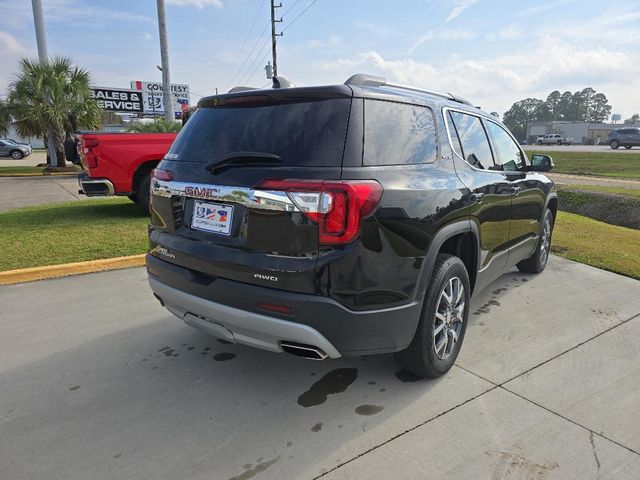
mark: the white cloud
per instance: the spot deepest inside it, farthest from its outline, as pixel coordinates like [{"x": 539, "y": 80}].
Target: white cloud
[
  {"x": 442, "y": 34},
  {"x": 379, "y": 30},
  {"x": 329, "y": 42},
  {"x": 510, "y": 32},
  {"x": 459, "y": 7},
  {"x": 544, "y": 7},
  {"x": 10, "y": 51},
  {"x": 495, "y": 83},
  {"x": 148, "y": 36},
  {"x": 199, "y": 4},
  {"x": 10, "y": 44}
]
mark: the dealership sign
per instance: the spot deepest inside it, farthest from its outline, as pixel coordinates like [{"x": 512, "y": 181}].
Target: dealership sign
[
  {"x": 117, "y": 99},
  {"x": 152, "y": 100}
]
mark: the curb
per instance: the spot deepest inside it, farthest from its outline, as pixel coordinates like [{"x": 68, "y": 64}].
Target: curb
[
  {"x": 23, "y": 275},
  {"x": 52, "y": 174}
]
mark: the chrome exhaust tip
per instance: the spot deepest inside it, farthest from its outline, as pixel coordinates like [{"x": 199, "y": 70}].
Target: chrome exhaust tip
[{"x": 305, "y": 351}]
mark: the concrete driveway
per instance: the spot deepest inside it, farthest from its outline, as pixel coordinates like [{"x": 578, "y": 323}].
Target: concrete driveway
[
  {"x": 16, "y": 192},
  {"x": 98, "y": 381}
]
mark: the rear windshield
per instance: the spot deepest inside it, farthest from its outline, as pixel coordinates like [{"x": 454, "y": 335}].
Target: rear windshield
[{"x": 310, "y": 133}]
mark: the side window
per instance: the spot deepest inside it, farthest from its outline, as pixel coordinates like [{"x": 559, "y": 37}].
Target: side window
[
  {"x": 398, "y": 134},
  {"x": 455, "y": 139},
  {"x": 508, "y": 154},
  {"x": 473, "y": 138}
]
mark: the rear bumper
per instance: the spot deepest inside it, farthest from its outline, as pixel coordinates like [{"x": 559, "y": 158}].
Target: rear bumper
[
  {"x": 95, "y": 187},
  {"x": 230, "y": 310}
]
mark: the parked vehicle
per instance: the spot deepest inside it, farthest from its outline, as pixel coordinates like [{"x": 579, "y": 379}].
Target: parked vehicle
[
  {"x": 554, "y": 139},
  {"x": 343, "y": 220},
  {"x": 10, "y": 148},
  {"x": 120, "y": 163},
  {"x": 626, "y": 137}
]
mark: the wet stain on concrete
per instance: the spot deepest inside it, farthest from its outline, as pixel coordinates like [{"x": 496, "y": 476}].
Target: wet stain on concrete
[
  {"x": 383, "y": 389},
  {"x": 524, "y": 280},
  {"x": 223, "y": 342},
  {"x": 169, "y": 353},
  {"x": 406, "y": 377},
  {"x": 253, "y": 471},
  {"x": 333, "y": 382},
  {"x": 117, "y": 455},
  {"x": 368, "y": 409},
  {"x": 371, "y": 382},
  {"x": 166, "y": 347},
  {"x": 75, "y": 387},
  {"x": 317, "y": 427},
  {"x": 224, "y": 356},
  {"x": 191, "y": 348},
  {"x": 495, "y": 303},
  {"x": 206, "y": 349},
  {"x": 289, "y": 444},
  {"x": 499, "y": 291}
]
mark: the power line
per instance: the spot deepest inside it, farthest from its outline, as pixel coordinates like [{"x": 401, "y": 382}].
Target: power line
[
  {"x": 235, "y": 76},
  {"x": 301, "y": 14},
  {"x": 290, "y": 8},
  {"x": 259, "y": 64},
  {"x": 253, "y": 24}
]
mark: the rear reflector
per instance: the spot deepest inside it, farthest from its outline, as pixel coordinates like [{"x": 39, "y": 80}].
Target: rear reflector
[
  {"x": 275, "y": 308},
  {"x": 337, "y": 206}
]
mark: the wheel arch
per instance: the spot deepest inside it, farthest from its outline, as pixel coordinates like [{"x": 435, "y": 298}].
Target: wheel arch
[
  {"x": 140, "y": 172},
  {"x": 461, "y": 239}
]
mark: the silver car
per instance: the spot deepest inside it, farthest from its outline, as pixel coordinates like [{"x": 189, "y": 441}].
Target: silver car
[
  {"x": 624, "y": 137},
  {"x": 10, "y": 148}
]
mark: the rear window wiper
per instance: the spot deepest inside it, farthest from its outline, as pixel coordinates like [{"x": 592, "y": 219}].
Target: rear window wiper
[{"x": 245, "y": 159}]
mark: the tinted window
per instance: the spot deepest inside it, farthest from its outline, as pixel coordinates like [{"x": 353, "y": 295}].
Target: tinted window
[
  {"x": 396, "y": 133},
  {"x": 304, "y": 133},
  {"x": 475, "y": 144},
  {"x": 508, "y": 154},
  {"x": 455, "y": 140}
]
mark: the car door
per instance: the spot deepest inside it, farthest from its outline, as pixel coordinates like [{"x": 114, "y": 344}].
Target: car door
[
  {"x": 490, "y": 191},
  {"x": 3, "y": 149},
  {"x": 528, "y": 198}
]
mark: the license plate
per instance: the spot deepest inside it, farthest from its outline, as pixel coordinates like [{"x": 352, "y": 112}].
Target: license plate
[{"x": 212, "y": 217}]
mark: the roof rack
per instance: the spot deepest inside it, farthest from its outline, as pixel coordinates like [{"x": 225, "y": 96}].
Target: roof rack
[{"x": 364, "y": 80}]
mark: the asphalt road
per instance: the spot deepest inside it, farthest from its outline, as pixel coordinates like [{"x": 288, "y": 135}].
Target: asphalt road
[
  {"x": 580, "y": 148},
  {"x": 98, "y": 381}
]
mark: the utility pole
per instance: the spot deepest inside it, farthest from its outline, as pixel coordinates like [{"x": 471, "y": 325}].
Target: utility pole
[
  {"x": 167, "y": 97},
  {"x": 274, "y": 35},
  {"x": 41, "y": 40}
]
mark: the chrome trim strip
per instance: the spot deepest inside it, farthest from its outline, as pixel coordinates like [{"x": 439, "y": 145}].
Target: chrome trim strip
[
  {"x": 445, "y": 110},
  {"x": 248, "y": 328},
  {"x": 249, "y": 197},
  {"x": 508, "y": 250}
]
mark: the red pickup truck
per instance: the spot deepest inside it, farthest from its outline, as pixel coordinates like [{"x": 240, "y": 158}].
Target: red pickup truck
[{"x": 120, "y": 163}]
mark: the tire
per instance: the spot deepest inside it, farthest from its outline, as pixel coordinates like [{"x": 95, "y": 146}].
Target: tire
[
  {"x": 559, "y": 142},
  {"x": 539, "y": 142},
  {"x": 143, "y": 196},
  {"x": 628, "y": 147},
  {"x": 422, "y": 357},
  {"x": 133, "y": 197},
  {"x": 614, "y": 144},
  {"x": 537, "y": 262},
  {"x": 16, "y": 154}
]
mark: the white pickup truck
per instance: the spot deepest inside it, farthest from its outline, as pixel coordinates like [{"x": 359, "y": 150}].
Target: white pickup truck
[{"x": 554, "y": 139}]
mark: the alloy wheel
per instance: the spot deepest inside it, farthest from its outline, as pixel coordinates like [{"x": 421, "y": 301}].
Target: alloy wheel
[
  {"x": 449, "y": 317},
  {"x": 545, "y": 240}
]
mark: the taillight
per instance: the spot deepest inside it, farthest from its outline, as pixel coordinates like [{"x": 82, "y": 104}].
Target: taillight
[
  {"x": 337, "y": 206},
  {"x": 90, "y": 155},
  {"x": 160, "y": 174}
]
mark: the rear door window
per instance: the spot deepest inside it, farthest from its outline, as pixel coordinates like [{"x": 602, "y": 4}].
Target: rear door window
[
  {"x": 309, "y": 133},
  {"x": 473, "y": 138},
  {"x": 398, "y": 133},
  {"x": 508, "y": 154}
]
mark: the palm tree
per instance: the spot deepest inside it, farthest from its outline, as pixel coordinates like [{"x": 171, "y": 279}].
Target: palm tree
[
  {"x": 5, "y": 118},
  {"x": 53, "y": 95},
  {"x": 158, "y": 126}
]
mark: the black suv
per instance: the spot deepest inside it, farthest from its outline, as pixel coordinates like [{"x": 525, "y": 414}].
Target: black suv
[{"x": 343, "y": 220}]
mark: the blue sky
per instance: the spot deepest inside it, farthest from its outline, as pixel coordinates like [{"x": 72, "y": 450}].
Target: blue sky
[{"x": 492, "y": 51}]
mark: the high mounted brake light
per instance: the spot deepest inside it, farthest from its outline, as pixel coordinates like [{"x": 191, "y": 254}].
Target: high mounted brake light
[{"x": 337, "y": 206}]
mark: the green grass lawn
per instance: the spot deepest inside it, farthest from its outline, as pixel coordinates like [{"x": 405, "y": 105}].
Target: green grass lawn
[
  {"x": 599, "y": 244},
  {"x": 71, "y": 232},
  {"x": 7, "y": 171},
  {"x": 629, "y": 192},
  {"x": 605, "y": 164}
]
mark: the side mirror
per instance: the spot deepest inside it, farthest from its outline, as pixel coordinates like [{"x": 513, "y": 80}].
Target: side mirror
[{"x": 541, "y": 163}]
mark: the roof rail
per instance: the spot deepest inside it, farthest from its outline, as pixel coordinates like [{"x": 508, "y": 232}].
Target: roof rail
[{"x": 364, "y": 80}]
